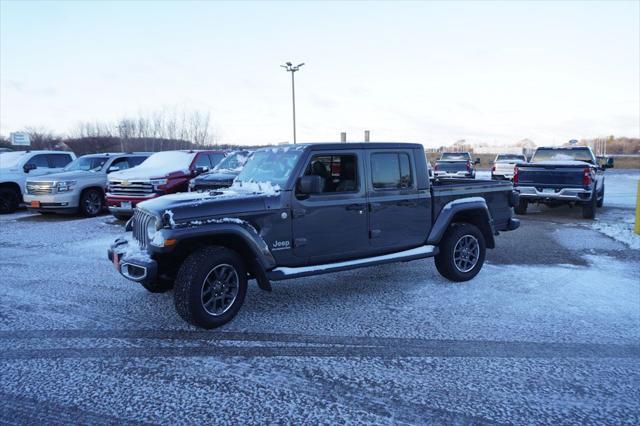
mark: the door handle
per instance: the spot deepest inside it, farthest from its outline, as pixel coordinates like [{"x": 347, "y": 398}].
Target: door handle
[
  {"x": 299, "y": 212},
  {"x": 407, "y": 203}
]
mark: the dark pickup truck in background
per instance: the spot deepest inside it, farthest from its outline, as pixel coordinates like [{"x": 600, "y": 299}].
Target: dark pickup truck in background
[
  {"x": 562, "y": 175},
  {"x": 456, "y": 165},
  {"x": 302, "y": 210},
  {"x": 223, "y": 174}
]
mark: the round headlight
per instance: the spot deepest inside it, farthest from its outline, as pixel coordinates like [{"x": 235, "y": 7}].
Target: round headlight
[{"x": 151, "y": 229}]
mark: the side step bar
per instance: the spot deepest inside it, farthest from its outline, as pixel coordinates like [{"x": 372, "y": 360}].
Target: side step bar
[{"x": 285, "y": 273}]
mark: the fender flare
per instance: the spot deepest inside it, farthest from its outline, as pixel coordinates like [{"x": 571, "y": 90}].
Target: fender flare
[
  {"x": 475, "y": 205},
  {"x": 244, "y": 231}
]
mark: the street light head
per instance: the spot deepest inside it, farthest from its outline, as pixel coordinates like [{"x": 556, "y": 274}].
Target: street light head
[
  {"x": 299, "y": 65},
  {"x": 288, "y": 63}
]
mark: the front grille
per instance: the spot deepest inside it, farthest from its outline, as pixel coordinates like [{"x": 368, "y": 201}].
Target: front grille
[
  {"x": 140, "y": 222},
  {"x": 131, "y": 188},
  {"x": 208, "y": 186},
  {"x": 40, "y": 188}
]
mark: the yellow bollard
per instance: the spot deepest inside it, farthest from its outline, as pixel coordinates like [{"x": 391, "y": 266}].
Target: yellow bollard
[{"x": 638, "y": 210}]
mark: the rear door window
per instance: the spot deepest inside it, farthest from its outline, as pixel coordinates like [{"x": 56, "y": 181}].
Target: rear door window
[
  {"x": 136, "y": 161},
  {"x": 391, "y": 171}
]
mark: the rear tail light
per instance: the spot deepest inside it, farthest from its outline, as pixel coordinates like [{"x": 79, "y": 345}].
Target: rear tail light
[
  {"x": 586, "y": 177},
  {"x": 515, "y": 174},
  {"x": 435, "y": 167},
  {"x": 468, "y": 166},
  {"x": 493, "y": 169}
]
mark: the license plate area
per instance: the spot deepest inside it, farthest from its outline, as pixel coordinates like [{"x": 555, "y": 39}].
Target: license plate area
[
  {"x": 35, "y": 204},
  {"x": 548, "y": 191},
  {"x": 125, "y": 204}
]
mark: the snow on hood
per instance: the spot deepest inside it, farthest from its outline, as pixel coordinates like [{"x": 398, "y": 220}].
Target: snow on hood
[{"x": 158, "y": 165}]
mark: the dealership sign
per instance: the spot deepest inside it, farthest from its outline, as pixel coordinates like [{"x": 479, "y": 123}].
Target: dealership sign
[{"x": 20, "y": 138}]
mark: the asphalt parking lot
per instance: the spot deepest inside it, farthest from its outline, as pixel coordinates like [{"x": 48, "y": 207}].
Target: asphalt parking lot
[{"x": 548, "y": 332}]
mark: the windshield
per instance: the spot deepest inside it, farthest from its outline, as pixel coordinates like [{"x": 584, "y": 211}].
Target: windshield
[
  {"x": 510, "y": 157},
  {"x": 461, "y": 156},
  {"x": 233, "y": 162},
  {"x": 559, "y": 154},
  {"x": 91, "y": 164},
  {"x": 274, "y": 166},
  {"x": 10, "y": 159}
]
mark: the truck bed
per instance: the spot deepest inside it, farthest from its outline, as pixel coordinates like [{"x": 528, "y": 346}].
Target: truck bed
[{"x": 498, "y": 195}]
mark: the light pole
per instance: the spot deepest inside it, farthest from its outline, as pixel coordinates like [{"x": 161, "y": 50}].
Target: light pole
[{"x": 292, "y": 69}]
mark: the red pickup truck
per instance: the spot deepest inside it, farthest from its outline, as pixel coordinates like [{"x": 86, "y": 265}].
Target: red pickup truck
[{"x": 165, "y": 172}]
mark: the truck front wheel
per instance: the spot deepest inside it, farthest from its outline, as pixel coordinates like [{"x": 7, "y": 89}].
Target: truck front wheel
[
  {"x": 210, "y": 287},
  {"x": 462, "y": 252},
  {"x": 9, "y": 200}
]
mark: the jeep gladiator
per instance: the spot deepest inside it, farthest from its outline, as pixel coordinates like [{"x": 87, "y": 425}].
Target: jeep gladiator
[{"x": 303, "y": 210}]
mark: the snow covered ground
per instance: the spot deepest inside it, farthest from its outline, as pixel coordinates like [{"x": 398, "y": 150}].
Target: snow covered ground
[{"x": 548, "y": 332}]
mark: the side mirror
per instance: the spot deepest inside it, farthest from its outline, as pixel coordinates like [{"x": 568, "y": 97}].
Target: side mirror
[
  {"x": 28, "y": 167},
  {"x": 201, "y": 169},
  {"x": 477, "y": 161},
  {"x": 310, "y": 185},
  {"x": 113, "y": 169}
]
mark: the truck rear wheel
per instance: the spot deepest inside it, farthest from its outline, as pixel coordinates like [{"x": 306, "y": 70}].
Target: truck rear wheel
[
  {"x": 589, "y": 209},
  {"x": 521, "y": 207},
  {"x": 601, "y": 199},
  {"x": 9, "y": 200},
  {"x": 210, "y": 287},
  {"x": 462, "y": 252}
]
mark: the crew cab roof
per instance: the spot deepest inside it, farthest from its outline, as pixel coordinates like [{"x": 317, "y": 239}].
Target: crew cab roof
[{"x": 346, "y": 146}]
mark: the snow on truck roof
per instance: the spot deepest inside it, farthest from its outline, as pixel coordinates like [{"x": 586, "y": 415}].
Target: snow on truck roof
[{"x": 342, "y": 146}]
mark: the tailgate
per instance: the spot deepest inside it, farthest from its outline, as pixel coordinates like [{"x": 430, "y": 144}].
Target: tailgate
[
  {"x": 452, "y": 166},
  {"x": 551, "y": 176}
]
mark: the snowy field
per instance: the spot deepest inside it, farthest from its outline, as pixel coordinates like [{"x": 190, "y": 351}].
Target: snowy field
[{"x": 548, "y": 332}]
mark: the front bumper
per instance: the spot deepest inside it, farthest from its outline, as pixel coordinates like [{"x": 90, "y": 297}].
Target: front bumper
[
  {"x": 122, "y": 205},
  {"x": 131, "y": 262},
  {"x": 563, "y": 194},
  {"x": 62, "y": 201}
]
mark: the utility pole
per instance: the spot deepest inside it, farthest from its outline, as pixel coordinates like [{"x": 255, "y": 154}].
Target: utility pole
[{"x": 292, "y": 69}]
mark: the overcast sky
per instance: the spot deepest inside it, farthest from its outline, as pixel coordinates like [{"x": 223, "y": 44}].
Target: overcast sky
[{"x": 423, "y": 72}]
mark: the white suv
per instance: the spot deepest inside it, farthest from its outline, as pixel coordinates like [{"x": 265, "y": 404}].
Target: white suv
[{"x": 16, "y": 166}]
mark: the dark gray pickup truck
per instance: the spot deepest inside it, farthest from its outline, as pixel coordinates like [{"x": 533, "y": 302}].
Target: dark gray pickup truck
[
  {"x": 302, "y": 210},
  {"x": 561, "y": 175},
  {"x": 456, "y": 165}
]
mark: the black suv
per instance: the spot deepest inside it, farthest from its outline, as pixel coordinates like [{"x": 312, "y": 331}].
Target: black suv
[{"x": 303, "y": 210}]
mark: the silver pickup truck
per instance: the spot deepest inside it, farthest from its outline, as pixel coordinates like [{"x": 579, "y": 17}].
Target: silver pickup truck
[
  {"x": 80, "y": 187},
  {"x": 504, "y": 166}
]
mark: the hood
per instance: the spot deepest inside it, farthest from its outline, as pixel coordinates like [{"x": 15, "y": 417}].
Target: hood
[
  {"x": 142, "y": 173},
  {"x": 6, "y": 172},
  {"x": 222, "y": 176},
  {"x": 188, "y": 206},
  {"x": 70, "y": 175}
]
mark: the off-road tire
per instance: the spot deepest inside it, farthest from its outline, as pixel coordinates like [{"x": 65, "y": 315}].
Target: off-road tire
[
  {"x": 188, "y": 286},
  {"x": 589, "y": 209},
  {"x": 444, "y": 260},
  {"x": 9, "y": 200},
  {"x": 84, "y": 198},
  {"x": 521, "y": 207}
]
